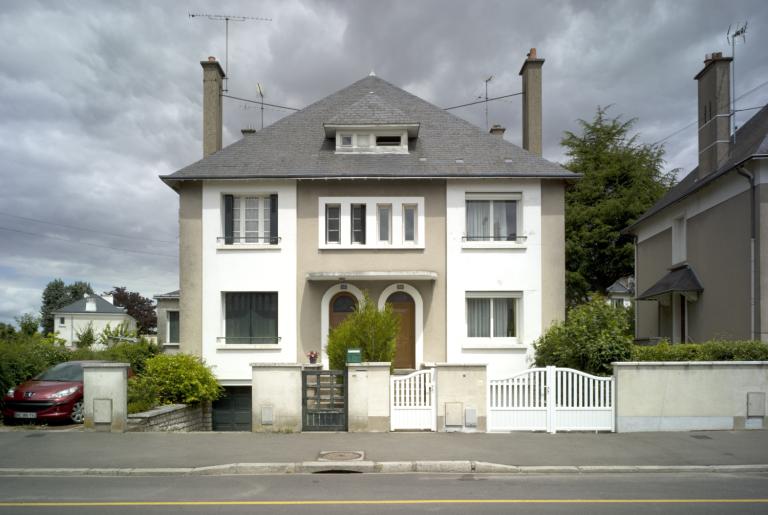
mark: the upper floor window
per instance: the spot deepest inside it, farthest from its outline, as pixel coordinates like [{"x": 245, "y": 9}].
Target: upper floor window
[
  {"x": 333, "y": 223},
  {"x": 492, "y": 315},
  {"x": 250, "y": 219},
  {"x": 385, "y": 222},
  {"x": 492, "y": 217},
  {"x": 409, "y": 223},
  {"x": 173, "y": 327},
  {"x": 358, "y": 223}
]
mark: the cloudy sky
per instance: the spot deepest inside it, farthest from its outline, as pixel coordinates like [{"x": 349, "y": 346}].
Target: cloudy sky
[{"x": 99, "y": 98}]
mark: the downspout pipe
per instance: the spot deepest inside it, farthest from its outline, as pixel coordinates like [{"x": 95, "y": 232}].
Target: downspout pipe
[{"x": 749, "y": 176}]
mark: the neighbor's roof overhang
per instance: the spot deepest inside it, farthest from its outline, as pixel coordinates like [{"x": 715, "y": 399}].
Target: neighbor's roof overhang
[
  {"x": 372, "y": 276},
  {"x": 681, "y": 279},
  {"x": 332, "y": 128}
]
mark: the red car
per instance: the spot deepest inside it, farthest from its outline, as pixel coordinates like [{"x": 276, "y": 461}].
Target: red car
[{"x": 54, "y": 395}]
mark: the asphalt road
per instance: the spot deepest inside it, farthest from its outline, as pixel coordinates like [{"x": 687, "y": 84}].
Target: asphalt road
[{"x": 388, "y": 493}]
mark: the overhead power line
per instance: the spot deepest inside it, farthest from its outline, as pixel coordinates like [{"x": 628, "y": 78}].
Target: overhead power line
[
  {"x": 482, "y": 101},
  {"x": 86, "y": 229},
  {"x": 49, "y": 236},
  {"x": 260, "y": 103}
]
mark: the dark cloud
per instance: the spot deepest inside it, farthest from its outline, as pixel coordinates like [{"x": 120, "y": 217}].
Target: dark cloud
[{"x": 97, "y": 99}]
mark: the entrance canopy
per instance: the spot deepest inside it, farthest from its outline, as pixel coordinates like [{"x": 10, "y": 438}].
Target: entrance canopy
[
  {"x": 681, "y": 279},
  {"x": 416, "y": 275}
]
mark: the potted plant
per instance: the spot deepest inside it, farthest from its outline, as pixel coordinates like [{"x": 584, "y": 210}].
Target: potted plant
[{"x": 312, "y": 355}]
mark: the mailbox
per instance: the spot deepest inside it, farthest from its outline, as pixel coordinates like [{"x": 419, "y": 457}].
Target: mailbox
[{"x": 354, "y": 356}]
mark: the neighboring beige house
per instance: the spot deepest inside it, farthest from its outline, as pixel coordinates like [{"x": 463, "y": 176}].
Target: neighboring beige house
[
  {"x": 168, "y": 321},
  {"x": 701, "y": 262},
  {"x": 370, "y": 189},
  {"x": 98, "y": 312}
]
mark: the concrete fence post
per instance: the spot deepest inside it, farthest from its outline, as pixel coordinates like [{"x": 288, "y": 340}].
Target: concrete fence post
[
  {"x": 276, "y": 392},
  {"x": 105, "y": 396},
  {"x": 461, "y": 397},
  {"x": 368, "y": 397}
]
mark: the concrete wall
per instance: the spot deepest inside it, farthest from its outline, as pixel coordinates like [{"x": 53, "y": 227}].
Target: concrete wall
[
  {"x": 191, "y": 268},
  {"x": 277, "y": 389},
  {"x": 461, "y": 387},
  {"x": 173, "y": 417},
  {"x": 105, "y": 396},
  {"x": 368, "y": 398},
  {"x": 312, "y": 259},
  {"x": 552, "y": 253},
  {"x": 688, "y": 396},
  {"x": 75, "y": 323},
  {"x": 164, "y": 305}
]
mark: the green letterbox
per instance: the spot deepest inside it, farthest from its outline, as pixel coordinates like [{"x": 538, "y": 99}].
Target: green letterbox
[{"x": 354, "y": 356}]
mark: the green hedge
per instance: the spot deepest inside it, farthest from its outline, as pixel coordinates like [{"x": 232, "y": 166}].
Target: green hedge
[
  {"x": 24, "y": 356},
  {"x": 717, "y": 350}
]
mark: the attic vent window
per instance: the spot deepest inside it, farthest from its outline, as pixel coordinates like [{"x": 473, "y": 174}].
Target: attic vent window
[
  {"x": 387, "y": 141},
  {"x": 460, "y": 161},
  {"x": 507, "y": 160},
  {"x": 346, "y": 141}
]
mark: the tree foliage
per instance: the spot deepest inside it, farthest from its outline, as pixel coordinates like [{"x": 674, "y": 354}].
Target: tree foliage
[
  {"x": 372, "y": 331},
  {"x": 622, "y": 179},
  {"x": 56, "y": 295},
  {"x": 140, "y": 308},
  {"x": 593, "y": 335},
  {"x": 28, "y": 323}
]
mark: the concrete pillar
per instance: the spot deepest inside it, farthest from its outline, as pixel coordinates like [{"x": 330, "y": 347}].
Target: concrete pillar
[
  {"x": 461, "y": 397},
  {"x": 105, "y": 396},
  {"x": 531, "y": 73},
  {"x": 213, "y": 77},
  {"x": 276, "y": 397},
  {"x": 368, "y": 397}
]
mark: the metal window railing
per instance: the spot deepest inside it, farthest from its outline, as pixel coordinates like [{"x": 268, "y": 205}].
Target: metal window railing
[
  {"x": 238, "y": 240},
  {"x": 511, "y": 238},
  {"x": 249, "y": 339}
]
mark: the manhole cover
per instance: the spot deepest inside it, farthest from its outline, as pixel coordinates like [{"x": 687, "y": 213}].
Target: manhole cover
[
  {"x": 341, "y": 455},
  {"x": 701, "y": 437}
]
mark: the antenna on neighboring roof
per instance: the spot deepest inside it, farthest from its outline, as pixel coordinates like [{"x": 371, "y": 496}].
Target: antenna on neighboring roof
[
  {"x": 489, "y": 79},
  {"x": 740, "y": 32},
  {"x": 226, "y": 19},
  {"x": 261, "y": 94}
]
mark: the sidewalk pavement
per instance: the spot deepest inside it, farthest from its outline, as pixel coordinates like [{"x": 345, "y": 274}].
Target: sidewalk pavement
[{"x": 30, "y": 452}]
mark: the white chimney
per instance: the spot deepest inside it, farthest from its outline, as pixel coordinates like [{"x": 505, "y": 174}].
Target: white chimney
[
  {"x": 109, "y": 298},
  {"x": 90, "y": 304}
]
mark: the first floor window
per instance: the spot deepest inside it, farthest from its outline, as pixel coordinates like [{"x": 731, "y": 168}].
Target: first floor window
[
  {"x": 251, "y": 317},
  {"x": 491, "y": 220},
  {"x": 491, "y": 317},
  {"x": 333, "y": 223},
  {"x": 385, "y": 222},
  {"x": 61, "y": 320},
  {"x": 250, "y": 219},
  {"x": 358, "y": 223},
  {"x": 173, "y": 327},
  {"x": 409, "y": 223}
]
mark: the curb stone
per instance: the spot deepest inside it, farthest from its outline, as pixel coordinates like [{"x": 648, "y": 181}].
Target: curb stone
[{"x": 386, "y": 467}]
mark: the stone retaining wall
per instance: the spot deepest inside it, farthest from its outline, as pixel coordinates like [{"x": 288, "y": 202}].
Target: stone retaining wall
[{"x": 173, "y": 417}]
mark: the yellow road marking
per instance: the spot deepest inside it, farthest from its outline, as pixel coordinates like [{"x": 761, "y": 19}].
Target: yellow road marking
[{"x": 85, "y": 504}]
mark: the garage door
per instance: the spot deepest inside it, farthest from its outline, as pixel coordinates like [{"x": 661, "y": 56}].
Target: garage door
[{"x": 232, "y": 412}]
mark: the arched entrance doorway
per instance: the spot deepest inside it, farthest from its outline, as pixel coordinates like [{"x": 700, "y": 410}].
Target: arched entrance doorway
[
  {"x": 404, "y": 307},
  {"x": 342, "y": 305}
]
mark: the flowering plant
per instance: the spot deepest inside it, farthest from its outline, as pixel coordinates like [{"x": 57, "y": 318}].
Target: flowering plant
[{"x": 312, "y": 354}]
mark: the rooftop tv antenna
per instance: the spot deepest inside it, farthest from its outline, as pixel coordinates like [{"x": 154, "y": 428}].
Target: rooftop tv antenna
[
  {"x": 261, "y": 95},
  {"x": 740, "y": 32},
  {"x": 226, "y": 18},
  {"x": 489, "y": 79}
]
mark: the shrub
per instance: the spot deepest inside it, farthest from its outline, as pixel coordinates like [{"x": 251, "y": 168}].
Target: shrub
[
  {"x": 143, "y": 394},
  {"x": 716, "y": 350},
  {"x": 372, "y": 331},
  {"x": 86, "y": 337},
  {"x": 24, "y": 356},
  {"x": 120, "y": 333},
  {"x": 593, "y": 335},
  {"x": 134, "y": 353},
  {"x": 178, "y": 378}
]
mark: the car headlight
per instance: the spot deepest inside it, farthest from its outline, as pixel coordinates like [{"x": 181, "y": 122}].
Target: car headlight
[
  {"x": 65, "y": 393},
  {"x": 10, "y": 392}
]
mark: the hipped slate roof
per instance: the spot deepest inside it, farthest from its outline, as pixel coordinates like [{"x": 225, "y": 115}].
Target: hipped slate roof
[
  {"x": 296, "y": 146},
  {"x": 751, "y": 141},
  {"x": 102, "y": 306}
]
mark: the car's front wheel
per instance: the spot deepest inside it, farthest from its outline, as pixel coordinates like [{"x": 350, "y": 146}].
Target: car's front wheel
[{"x": 77, "y": 412}]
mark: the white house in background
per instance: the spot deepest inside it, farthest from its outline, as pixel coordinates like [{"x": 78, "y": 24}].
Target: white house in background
[
  {"x": 98, "y": 312},
  {"x": 168, "y": 321},
  {"x": 621, "y": 292},
  {"x": 375, "y": 190}
]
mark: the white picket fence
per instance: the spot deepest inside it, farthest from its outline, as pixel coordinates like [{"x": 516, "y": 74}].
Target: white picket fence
[
  {"x": 551, "y": 399},
  {"x": 413, "y": 401}
]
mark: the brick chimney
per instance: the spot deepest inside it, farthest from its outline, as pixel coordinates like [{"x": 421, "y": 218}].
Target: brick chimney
[
  {"x": 714, "y": 112},
  {"x": 497, "y": 130},
  {"x": 213, "y": 77},
  {"x": 531, "y": 73}
]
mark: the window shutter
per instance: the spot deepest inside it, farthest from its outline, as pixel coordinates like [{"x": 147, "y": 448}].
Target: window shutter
[
  {"x": 273, "y": 219},
  {"x": 229, "y": 222},
  {"x": 362, "y": 223}
]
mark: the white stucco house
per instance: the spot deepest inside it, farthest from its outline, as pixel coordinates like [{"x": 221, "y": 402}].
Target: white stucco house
[{"x": 93, "y": 310}]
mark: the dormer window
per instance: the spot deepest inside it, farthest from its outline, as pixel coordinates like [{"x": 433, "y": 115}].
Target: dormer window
[
  {"x": 371, "y": 140},
  {"x": 346, "y": 140},
  {"x": 388, "y": 141}
]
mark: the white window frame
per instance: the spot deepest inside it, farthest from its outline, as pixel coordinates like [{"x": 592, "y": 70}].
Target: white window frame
[
  {"x": 328, "y": 241},
  {"x": 371, "y": 134},
  {"x": 494, "y": 342},
  {"x": 168, "y": 326},
  {"x": 379, "y": 219},
  {"x": 415, "y": 224},
  {"x": 519, "y": 242},
  {"x": 371, "y": 223},
  {"x": 679, "y": 241},
  {"x": 239, "y": 220}
]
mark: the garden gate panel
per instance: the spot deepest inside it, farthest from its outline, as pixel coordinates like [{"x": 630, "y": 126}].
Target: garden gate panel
[
  {"x": 551, "y": 399},
  {"x": 324, "y": 400},
  {"x": 413, "y": 401}
]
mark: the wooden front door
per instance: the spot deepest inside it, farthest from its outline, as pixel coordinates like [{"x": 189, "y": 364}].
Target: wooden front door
[
  {"x": 405, "y": 351},
  {"x": 342, "y": 305}
]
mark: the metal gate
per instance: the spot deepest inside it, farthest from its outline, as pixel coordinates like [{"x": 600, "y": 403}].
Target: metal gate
[
  {"x": 551, "y": 399},
  {"x": 412, "y": 401},
  {"x": 324, "y": 400}
]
